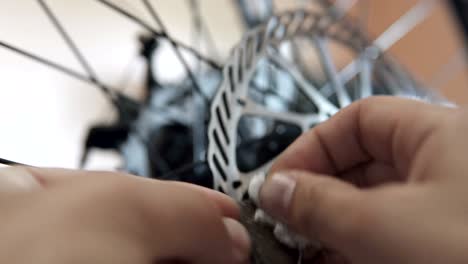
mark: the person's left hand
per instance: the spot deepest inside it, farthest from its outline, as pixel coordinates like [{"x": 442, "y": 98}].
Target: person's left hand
[{"x": 61, "y": 216}]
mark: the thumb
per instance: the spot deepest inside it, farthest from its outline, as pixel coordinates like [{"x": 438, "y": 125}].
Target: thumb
[{"x": 316, "y": 206}]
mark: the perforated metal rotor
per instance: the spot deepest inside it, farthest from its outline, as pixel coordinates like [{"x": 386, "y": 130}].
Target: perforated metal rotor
[{"x": 368, "y": 74}]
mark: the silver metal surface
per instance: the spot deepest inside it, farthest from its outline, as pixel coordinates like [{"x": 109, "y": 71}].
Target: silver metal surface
[{"x": 374, "y": 74}]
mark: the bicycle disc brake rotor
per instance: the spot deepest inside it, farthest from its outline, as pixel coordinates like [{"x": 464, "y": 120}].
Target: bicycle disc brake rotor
[{"x": 266, "y": 99}]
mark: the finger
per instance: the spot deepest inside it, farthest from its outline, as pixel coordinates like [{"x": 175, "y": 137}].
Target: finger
[
  {"x": 371, "y": 174},
  {"x": 188, "y": 223},
  {"x": 173, "y": 221},
  {"x": 229, "y": 208},
  {"x": 370, "y": 129},
  {"x": 17, "y": 179},
  {"x": 317, "y": 206},
  {"x": 49, "y": 177}
]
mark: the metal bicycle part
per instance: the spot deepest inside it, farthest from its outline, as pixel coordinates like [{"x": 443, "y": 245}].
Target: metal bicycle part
[
  {"x": 140, "y": 123},
  {"x": 370, "y": 73}
]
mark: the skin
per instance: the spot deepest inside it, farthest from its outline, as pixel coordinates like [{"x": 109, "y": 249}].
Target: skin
[
  {"x": 383, "y": 181},
  {"x": 66, "y": 216}
]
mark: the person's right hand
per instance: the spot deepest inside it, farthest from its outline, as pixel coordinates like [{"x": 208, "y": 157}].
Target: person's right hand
[{"x": 383, "y": 181}]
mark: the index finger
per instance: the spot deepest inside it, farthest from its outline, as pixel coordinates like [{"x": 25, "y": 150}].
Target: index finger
[
  {"x": 48, "y": 177},
  {"x": 385, "y": 129},
  {"x": 188, "y": 226},
  {"x": 226, "y": 204}
]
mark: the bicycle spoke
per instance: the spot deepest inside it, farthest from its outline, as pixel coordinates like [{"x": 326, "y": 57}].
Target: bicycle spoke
[
  {"x": 304, "y": 121},
  {"x": 158, "y": 34},
  {"x": 270, "y": 77},
  {"x": 199, "y": 125},
  {"x": 386, "y": 40},
  {"x": 365, "y": 63},
  {"x": 365, "y": 85},
  {"x": 270, "y": 91},
  {"x": 202, "y": 28},
  {"x": 197, "y": 28},
  {"x": 392, "y": 82},
  {"x": 67, "y": 71},
  {"x": 185, "y": 168},
  {"x": 78, "y": 54},
  {"x": 182, "y": 60},
  {"x": 11, "y": 163},
  {"x": 331, "y": 72},
  {"x": 323, "y": 104},
  {"x": 69, "y": 41},
  {"x": 401, "y": 27},
  {"x": 156, "y": 18},
  {"x": 89, "y": 78}
]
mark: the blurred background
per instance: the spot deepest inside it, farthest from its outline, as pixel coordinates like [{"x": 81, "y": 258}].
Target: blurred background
[{"x": 45, "y": 115}]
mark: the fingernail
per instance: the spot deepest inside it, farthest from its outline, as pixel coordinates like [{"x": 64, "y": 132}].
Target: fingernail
[
  {"x": 255, "y": 185},
  {"x": 239, "y": 237},
  {"x": 17, "y": 179},
  {"x": 276, "y": 195}
]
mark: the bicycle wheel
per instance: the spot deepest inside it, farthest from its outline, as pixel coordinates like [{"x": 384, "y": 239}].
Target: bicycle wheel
[
  {"x": 150, "y": 125},
  {"x": 198, "y": 112}
]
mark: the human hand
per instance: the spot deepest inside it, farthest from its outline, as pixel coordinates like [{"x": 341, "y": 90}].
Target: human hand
[
  {"x": 61, "y": 216},
  {"x": 383, "y": 181}
]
